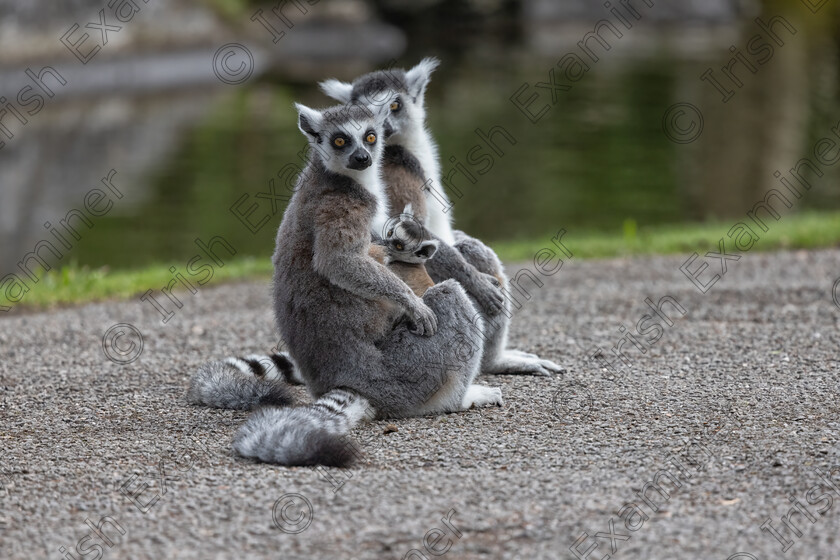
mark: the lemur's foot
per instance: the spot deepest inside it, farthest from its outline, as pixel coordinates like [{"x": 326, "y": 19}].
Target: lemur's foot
[
  {"x": 522, "y": 354},
  {"x": 515, "y": 362},
  {"x": 481, "y": 395}
]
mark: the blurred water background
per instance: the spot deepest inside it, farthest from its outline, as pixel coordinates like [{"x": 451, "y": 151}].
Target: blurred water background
[{"x": 187, "y": 147}]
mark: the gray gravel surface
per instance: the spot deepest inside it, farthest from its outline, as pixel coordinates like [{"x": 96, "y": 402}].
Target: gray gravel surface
[{"x": 741, "y": 393}]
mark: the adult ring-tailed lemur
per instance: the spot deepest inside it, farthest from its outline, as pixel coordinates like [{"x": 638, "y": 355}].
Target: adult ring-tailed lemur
[
  {"x": 363, "y": 343},
  {"x": 411, "y": 172}
]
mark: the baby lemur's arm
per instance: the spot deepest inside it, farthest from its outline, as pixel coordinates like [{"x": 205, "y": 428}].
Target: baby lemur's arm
[
  {"x": 448, "y": 262},
  {"x": 340, "y": 253}
]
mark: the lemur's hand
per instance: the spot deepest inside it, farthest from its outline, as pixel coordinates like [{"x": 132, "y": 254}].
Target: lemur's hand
[
  {"x": 423, "y": 319},
  {"x": 487, "y": 292},
  {"x": 492, "y": 279}
]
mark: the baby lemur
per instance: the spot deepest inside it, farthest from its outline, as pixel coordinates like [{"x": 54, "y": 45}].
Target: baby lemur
[
  {"x": 342, "y": 313},
  {"x": 405, "y": 251},
  {"x": 411, "y": 172}
]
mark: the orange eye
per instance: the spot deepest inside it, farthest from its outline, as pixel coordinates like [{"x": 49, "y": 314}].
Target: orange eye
[
  {"x": 395, "y": 105},
  {"x": 371, "y": 138},
  {"x": 339, "y": 142},
  {"x": 399, "y": 246}
]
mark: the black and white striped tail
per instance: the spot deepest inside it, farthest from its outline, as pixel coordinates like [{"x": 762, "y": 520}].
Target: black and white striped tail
[
  {"x": 245, "y": 383},
  {"x": 307, "y": 435}
]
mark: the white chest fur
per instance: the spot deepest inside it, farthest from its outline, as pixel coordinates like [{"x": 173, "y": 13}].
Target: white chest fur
[
  {"x": 438, "y": 207},
  {"x": 371, "y": 180}
]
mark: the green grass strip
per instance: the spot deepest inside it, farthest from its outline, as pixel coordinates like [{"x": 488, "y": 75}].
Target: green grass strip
[{"x": 73, "y": 284}]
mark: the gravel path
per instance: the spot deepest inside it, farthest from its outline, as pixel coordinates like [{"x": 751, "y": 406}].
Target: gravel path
[{"x": 737, "y": 401}]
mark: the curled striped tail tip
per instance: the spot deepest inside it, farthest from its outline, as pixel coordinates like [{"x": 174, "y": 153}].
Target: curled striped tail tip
[
  {"x": 284, "y": 436},
  {"x": 223, "y": 385}
]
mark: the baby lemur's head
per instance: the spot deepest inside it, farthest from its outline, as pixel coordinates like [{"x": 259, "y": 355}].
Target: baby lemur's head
[
  {"x": 401, "y": 91},
  {"x": 346, "y": 138},
  {"x": 406, "y": 240}
]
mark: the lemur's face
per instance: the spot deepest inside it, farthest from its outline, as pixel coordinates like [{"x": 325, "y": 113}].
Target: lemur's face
[
  {"x": 347, "y": 138},
  {"x": 406, "y": 240},
  {"x": 353, "y": 149},
  {"x": 405, "y": 113},
  {"x": 402, "y": 92}
]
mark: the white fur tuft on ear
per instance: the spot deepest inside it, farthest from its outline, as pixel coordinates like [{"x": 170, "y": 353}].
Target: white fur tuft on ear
[
  {"x": 408, "y": 209},
  {"x": 418, "y": 77},
  {"x": 309, "y": 120},
  {"x": 338, "y": 90}
]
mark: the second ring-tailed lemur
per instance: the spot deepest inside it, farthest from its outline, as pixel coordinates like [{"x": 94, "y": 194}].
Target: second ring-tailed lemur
[
  {"x": 410, "y": 170},
  {"x": 339, "y": 311}
]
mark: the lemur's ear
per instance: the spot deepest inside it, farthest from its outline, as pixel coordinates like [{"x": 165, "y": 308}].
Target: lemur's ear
[
  {"x": 338, "y": 90},
  {"x": 309, "y": 121},
  {"x": 418, "y": 77},
  {"x": 408, "y": 210},
  {"x": 427, "y": 249}
]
